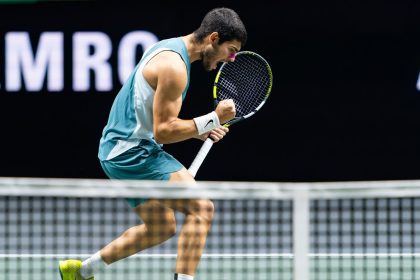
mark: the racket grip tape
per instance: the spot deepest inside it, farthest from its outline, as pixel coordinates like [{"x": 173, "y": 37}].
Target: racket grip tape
[{"x": 199, "y": 158}]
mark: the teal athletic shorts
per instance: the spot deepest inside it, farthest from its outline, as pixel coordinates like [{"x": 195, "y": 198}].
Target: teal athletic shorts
[{"x": 147, "y": 161}]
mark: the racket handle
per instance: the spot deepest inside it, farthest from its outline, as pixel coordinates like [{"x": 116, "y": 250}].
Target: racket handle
[{"x": 199, "y": 158}]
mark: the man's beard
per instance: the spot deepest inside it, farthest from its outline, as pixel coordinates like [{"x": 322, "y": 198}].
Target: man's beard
[{"x": 207, "y": 58}]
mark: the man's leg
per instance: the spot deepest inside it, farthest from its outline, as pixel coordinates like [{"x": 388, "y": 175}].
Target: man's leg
[
  {"x": 159, "y": 225},
  {"x": 193, "y": 235}
]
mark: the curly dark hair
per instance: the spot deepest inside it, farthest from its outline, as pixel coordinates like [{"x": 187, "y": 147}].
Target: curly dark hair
[{"x": 226, "y": 22}]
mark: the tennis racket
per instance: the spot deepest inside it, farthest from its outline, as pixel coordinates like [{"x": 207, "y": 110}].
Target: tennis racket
[{"x": 248, "y": 81}]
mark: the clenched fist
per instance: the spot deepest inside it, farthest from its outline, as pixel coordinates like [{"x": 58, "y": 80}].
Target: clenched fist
[{"x": 225, "y": 110}]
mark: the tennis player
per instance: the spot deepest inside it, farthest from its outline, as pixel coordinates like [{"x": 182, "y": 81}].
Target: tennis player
[{"x": 144, "y": 116}]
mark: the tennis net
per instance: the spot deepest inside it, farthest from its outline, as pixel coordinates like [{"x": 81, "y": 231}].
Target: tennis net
[{"x": 291, "y": 231}]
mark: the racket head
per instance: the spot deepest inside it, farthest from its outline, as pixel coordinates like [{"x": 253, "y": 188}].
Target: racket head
[{"x": 247, "y": 81}]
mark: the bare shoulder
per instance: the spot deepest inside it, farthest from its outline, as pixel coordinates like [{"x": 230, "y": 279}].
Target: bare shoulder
[
  {"x": 167, "y": 70},
  {"x": 171, "y": 60}
]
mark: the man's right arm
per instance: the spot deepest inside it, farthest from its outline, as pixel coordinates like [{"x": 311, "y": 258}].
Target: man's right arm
[{"x": 171, "y": 78}]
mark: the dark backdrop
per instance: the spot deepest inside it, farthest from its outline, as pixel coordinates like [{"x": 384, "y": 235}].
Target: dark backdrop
[{"x": 344, "y": 105}]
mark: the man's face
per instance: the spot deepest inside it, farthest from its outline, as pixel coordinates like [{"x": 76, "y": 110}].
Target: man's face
[{"x": 213, "y": 54}]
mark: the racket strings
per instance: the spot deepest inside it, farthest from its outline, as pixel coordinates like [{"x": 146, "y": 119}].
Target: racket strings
[{"x": 247, "y": 81}]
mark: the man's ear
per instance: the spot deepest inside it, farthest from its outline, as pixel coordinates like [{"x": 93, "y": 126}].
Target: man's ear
[{"x": 214, "y": 38}]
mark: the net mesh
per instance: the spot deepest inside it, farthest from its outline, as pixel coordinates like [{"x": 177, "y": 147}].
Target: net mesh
[
  {"x": 247, "y": 81},
  {"x": 366, "y": 238},
  {"x": 369, "y": 233}
]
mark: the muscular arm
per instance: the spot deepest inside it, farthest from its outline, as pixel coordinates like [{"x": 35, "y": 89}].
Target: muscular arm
[{"x": 168, "y": 74}]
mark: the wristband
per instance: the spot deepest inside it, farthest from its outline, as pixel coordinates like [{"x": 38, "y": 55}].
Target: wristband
[{"x": 207, "y": 122}]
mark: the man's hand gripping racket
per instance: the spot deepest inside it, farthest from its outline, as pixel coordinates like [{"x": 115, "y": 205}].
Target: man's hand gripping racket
[{"x": 247, "y": 82}]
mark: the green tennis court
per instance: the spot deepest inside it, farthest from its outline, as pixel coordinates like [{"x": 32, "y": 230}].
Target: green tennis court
[
  {"x": 216, "y": 267},
  {"x": 227, "y": 267}
]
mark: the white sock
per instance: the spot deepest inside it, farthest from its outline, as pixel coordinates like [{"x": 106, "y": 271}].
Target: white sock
[
  {"x": 92, "y": 265},
  {"x": 179, "y": 276}
]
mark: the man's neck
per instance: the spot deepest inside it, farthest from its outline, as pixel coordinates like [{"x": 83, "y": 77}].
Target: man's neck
[{"x": 194, "y": 49}]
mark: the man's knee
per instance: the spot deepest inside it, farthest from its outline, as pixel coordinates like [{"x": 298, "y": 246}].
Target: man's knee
[
  {"x": 202, "y": 209},
  {"x": 166, "y": 228}
]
